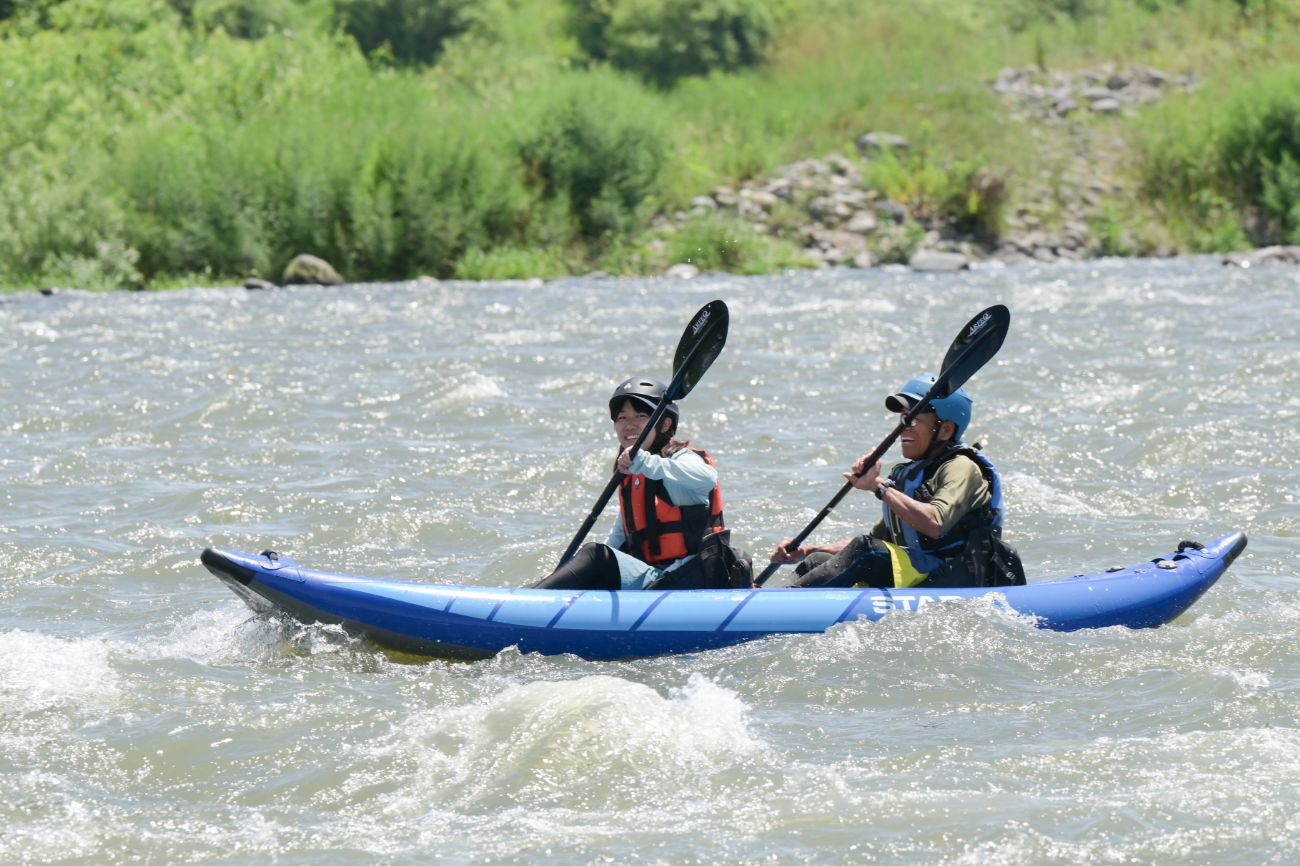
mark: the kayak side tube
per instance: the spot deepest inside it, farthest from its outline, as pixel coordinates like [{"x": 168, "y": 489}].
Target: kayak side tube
[{"x": 470, "y": 622}]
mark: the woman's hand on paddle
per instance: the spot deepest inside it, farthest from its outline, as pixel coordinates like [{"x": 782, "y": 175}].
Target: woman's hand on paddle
[
  {"x": 864, "y": 478},
  {"x": 624, "y": 462},
  {"x": 782, "y": 555}
]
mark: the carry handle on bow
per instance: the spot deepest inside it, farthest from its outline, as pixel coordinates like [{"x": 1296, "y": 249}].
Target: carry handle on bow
[{"x": 978, "y": 341}]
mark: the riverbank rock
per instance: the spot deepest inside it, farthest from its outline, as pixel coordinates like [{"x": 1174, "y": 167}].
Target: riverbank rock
[
  {"x": 254, "y": 283},
  {"x": 826, "y": 208},
  {"x": 1282, "y": 255},
  {"x": 874, "y": 142},
  {"x": 937, "y": 261},
  {"x": 310, "y": 270},
  {"x": 683, "y": 271},
  {"x": 1034, "y": 93}
]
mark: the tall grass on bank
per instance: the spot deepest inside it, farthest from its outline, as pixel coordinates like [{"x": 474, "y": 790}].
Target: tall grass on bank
[
  {"x": 1226, "y": 163},
  {"x": 373, "y": 172}
]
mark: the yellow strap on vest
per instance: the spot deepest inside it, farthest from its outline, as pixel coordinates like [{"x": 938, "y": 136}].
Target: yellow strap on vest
[{"x": 905, "y": 574}]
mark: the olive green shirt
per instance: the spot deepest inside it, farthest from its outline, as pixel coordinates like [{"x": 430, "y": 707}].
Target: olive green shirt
[{"x": 958, "y": 488}]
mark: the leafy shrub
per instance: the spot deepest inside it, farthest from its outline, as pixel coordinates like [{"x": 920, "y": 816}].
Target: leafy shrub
[
  {"x": 511, "y": 263},
  {"x": 413, "y": 31},
  {"x": 1023, "y": 14},
  {"x": 965, "y": 193},
  {"x": 245, "y": 19},
  {"x": 1227, "y": 162},
  {"x": 898, "y": 249},
  {"x": 1280, "y": 196},
  {"x": 975, "y": 200},
  {"x": 67, "y": 16},
  {"x": 313, "y": 153},
  {"x": 664, "y": 40},
  {"x": 720, "y": 243},
  {"x": 1259, "y": 149},
  {"x": 594, "y": 141}
]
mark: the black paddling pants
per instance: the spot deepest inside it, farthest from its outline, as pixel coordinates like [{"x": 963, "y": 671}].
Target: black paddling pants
[
  {"x": 594, "y": 566},
  {"x": 864, "y": 560}
]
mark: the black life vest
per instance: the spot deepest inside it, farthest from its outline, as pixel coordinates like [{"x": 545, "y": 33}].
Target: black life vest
[{"x": 914, "y": 479}]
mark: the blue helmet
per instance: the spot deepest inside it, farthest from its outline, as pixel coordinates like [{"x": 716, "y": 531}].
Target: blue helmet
[{"x": 955, "y": 407}]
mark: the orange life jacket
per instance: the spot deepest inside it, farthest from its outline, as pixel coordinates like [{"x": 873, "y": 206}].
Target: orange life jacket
[{"x": 658, "y": 531}]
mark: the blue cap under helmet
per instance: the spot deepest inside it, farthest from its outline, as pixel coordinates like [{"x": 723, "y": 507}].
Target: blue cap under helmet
[{"x": 955, "y": 407}]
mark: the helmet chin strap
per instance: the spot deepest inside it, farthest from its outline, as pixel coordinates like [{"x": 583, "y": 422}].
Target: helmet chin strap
[
  {"x": 938, "y": 445},
  {"x": 662, "y": 438}
]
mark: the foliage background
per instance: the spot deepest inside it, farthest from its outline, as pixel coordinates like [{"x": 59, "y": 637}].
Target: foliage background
[{"x": 149, "y": 143}]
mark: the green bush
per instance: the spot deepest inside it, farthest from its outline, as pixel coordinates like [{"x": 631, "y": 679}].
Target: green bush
[
  {"x": 975, "y": 200},
  {"x": 1280, "y": 197},
  {"x": 965, "y": 192},
  {"x": 311, "y": 153},
  {"x": 245, "y": 19},
  {"x": 413, "y": 31},
  {"x": 594, "y": 142},
  {"x": 511, "y": 263},
  {"x": 1223, "y": 161},
  {"x": 1259, "y": 150},
  {"x": 664, "y": 40},
  {"x": 720, "y": 243}
]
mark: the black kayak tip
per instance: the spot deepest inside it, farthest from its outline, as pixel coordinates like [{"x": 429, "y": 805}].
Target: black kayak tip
[
  {"x": 1236, "y": 545},
  {"x": 224, "y": 567}
]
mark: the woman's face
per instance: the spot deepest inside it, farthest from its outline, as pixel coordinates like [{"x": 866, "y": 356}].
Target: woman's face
[{"x": 629, "y": 421}]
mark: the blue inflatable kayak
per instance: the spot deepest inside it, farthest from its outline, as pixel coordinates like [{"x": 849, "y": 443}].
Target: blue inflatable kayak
[{"x": 469, "y": 622}]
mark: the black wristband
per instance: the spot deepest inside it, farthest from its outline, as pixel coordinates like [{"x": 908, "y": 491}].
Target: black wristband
[{"x": 887, "y": 484}]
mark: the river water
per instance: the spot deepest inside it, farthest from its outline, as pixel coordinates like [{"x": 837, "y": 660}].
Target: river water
[{"x": 457, "y": 432}]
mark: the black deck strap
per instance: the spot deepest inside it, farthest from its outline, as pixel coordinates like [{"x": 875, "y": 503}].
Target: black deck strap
[
  {"x": 271, "y": 555},
  {"x": 1190, "y": 545}
]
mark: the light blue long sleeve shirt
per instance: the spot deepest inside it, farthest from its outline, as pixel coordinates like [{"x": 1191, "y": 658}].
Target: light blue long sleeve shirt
[{"x": 688, "y": 480}]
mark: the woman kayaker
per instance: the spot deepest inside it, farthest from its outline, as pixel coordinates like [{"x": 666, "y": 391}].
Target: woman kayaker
[
  {"x": 670, "y": 533},
  {"x": 942, "y": 511}
]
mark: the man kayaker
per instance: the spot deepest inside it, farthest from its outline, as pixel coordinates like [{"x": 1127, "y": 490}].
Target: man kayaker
[
  {"x": 670, "y": 533},
  {"x": 942, "y": 511}
]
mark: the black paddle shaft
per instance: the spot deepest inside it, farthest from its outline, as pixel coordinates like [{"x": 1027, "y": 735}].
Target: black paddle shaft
[
  {"x": 701, "y": 343},
  {"x": 978, "y": 341}
]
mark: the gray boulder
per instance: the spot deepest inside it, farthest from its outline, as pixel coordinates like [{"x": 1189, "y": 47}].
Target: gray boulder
[
  {"x": 1279, "y": 255},
  {"x": 682, "y": 271},
  {"x": 310, "y": 270},
  {"x": 936, "y": 261},
  {"x": 873, "y": 142}
]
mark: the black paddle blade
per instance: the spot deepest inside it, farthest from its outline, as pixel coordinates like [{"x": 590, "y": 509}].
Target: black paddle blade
[
  {"x": 701, "y": 343},
  {"x": 978, "y": 341}
]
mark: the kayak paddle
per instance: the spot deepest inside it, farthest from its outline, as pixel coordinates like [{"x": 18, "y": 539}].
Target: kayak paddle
[
  {"x": 701, "y": 343},
  {"x": 978, "y": 341}
]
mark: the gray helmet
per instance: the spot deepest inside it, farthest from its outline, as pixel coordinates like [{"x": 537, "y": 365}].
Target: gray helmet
[{"x": 648, "y": 392}]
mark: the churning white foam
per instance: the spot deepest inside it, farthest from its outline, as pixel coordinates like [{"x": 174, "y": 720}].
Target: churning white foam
[{"x": 40, "y": 672}]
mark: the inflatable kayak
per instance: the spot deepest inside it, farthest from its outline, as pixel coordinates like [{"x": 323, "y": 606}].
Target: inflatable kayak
[{"x": 469, "y": 622}]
